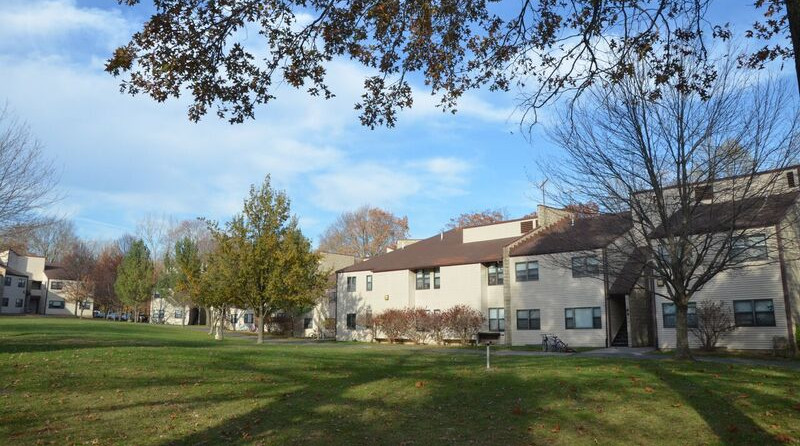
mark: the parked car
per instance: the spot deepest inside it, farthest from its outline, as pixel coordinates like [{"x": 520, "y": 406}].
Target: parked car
[
  {"x": 112, "y": 316},
  {"x": 98, "y": 314}
]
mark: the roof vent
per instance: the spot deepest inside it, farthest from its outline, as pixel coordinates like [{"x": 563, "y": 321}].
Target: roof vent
[{"x": 526, "y": 226}]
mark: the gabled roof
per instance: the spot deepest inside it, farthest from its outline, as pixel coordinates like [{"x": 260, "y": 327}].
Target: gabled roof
[
  {"x": 54, "y": 272},
  {"x": 751, "y": 212},
  {"x": 580, "y": 234},
  {"x": 445, "y": 249}
]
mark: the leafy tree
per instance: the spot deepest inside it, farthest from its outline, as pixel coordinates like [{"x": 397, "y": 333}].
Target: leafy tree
[
  {"x": 477, "y": 218},
  {"x": 79, "y": 263},
  {"x": 365, "y": 232},
  {"x": 135, "y": 277},
  {"x": 104, "y": 276},
  {"x": 221, "y": 282},
  {"x": 182, "y": 275},
  {"x": 546, "y": 48}
]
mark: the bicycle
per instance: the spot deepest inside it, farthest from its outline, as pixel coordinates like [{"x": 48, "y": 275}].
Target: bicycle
[{"x": 551, "y": 343}]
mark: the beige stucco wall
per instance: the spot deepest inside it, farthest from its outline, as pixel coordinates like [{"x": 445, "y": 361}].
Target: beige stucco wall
[
  {"x": 12, "y": 292},
  {"x": 495, "y": 231},
  {"x": 70, "y": 308}
]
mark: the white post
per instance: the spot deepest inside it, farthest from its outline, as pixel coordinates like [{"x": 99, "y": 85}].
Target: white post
[{"x": 488, "y": 364}]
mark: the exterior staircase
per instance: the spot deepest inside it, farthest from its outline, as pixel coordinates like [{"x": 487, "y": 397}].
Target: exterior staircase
[{"x": 621, "y": 339}]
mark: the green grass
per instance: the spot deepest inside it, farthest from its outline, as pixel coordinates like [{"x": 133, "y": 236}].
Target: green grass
[{"x": 101, "y": 383}]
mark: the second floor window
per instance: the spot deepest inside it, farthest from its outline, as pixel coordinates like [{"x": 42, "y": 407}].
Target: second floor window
[
  {"x": 526, "y": 271},
  {"x": 585, "y": 266},
  {"x": 369, "y": 282},
  {"x": 21, "y": 283},
  {"x": 8, "y": 281},
  {"x": 423, "y": 279},
  {"x": 56, "y": 285},
  {"x": 351, "y": 284},
  {"x": 748, "y": 248},
  {"x": 495, "y": 273}
]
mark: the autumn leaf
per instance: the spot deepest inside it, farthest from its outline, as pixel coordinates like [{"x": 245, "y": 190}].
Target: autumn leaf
[
  {"x": 648, "y": 389},
  {"x": 420, "y": 384},
  {"x": 556, "y": 429}
]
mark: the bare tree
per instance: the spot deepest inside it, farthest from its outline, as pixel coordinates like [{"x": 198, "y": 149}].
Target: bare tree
[
  {"x": 663, "y": 163},
  {"x": 26, "y": 177},
  {"x": 477, "y": 218},
  {"x": 154, "y": 231},
  {"x": 365, "y": 232},
  {"x": 53, "y": 239},
  {"x": 713, "y": 321}
]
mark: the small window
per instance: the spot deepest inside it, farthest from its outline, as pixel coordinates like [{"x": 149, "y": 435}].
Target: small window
[
  {"x": 160, "y": 315},
  {"x": 178, "y": 314},
  {"x": 497, "y": 319},
  {"x": 790, "y": 179},
  {"x": 21, "y": 283},
  {"x": 369, "y": 282},
  {"x": 20, "y": 301},
  {"x": 526, "y": 226},
  {"x": 495, "y": 273},
  {"x": 8, "y": 281},
  {"x": 36, "y": 285},
  {"x": 351, "y": 321},
  {"x": 306, "y": 323},
  {"x": 86, "y": 305},
  {"x": 351, "y": 284},
  {"x": 528, "y": 320},
  {"x": 526, "y": 271},
  {"x": 248, "y": 318},
  {"x": 5, "y": 301},
  {"x": 749, "y": 248},
  {"x": 754, "y": 313},
  {"x": 57, "y": 304},
  {"x": 423, "y": 279},
  {"x": 668, "y": 315},
  {"x": 585, "y": 266},
  {"x": 580, "y": 318},
  {"x": 705, "y": 192},
  {"x": 56, "y": 285},
  {"x": 234, "y": 318}
]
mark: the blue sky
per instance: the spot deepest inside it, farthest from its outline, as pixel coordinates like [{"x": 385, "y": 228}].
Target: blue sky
[{"x": 123, "y": 157}]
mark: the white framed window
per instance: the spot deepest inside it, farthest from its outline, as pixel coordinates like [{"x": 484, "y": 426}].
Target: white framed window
[
  {"x": 585, "y": 266},
  {"x": 526, "y": 271},
  {"x": 369, "y": 282},
  {"x": 528, "y": 320},
  {"x": 56, "y": 285},
  {"x": 178, "y": 314},
  {"x": 582, "y": 318},
  {"x": 754, "y": 313},
  {"x": 495, "y": 273},
  {"x": 351, "y": 284},
  {"x": 497, "y": 319}
]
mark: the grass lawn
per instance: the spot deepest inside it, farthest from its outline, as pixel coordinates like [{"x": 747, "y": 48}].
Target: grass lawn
[{"x": 100, "y": 383}]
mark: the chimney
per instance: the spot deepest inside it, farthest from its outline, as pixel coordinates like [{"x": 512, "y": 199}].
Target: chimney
[{"x": 441, "y": 236}]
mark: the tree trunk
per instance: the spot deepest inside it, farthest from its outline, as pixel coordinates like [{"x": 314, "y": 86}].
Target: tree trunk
[
  {"x": 210, "y": 319},
  {"x": 76, "y": 309},
  {"x": 682, "y": 330},
  {"x": 793, "y": 14},
  {"x": 260, "y": 326}
]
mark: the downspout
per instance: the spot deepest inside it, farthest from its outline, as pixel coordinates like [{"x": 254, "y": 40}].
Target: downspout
[
  {"x": 605, "y": 298},
  {"x": 787, "y": 301},
  {"x": 336, "y": 310},
  {"x": 507, "y": 294}
]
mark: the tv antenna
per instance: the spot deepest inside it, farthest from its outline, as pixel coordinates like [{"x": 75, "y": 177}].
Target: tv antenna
[{"x": 541, "y": 186}]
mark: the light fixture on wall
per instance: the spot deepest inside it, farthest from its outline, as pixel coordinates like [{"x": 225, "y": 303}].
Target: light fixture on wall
[{"x": 386, "y": 297}]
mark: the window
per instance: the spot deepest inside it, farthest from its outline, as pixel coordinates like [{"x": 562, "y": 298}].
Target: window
[
  {"x": 86, "y": 305},
  {"x": 588, "y": 317},
  {"x": 351, "y": 321},
  {"x": 369, "y": 283},
  {"x": 8, "y": 281},
  {"x": 747, "y": 248},
  {"x": 528, "y": 320},
  {"x": 248, "y": 318},
  {"x": 306, "y": 323},
  {"x": 351, "y": 284},
  {"x": 56, "y": 285},
  {"x": 527, "y": 271},
  {"x": 790, "y": 179},
  {"x": 36, "y": 285},
  {"x": 705, "y": 192},
  {"x": 437, "y": 280},
  {"x": 5, "y": 301},
  {"x": 55, "y": 304},
  {"x": 585, "y": 266},
  {"x": 20, "y": 301},
  {"x": 332, "y": 296},
  {"x": 424, "y": 279},
  {"x": 754, "y": 313},
  {"x": 497, "y": 319},
  {"x": 668, "y": 314},
  {"x": 178, "y": 314},
  {"x": 159, "y": 315},
  {"x": 496, "y": 273},
  {"x": 21, "y": 283},
  {"x": 234, "y": 318}
]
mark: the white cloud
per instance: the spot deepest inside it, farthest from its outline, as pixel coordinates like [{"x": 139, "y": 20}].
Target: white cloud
[{"x": 27, "y": 19}]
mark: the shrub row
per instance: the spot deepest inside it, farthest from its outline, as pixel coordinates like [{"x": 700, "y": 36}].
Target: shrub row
[{"x": 420, "y": 326}]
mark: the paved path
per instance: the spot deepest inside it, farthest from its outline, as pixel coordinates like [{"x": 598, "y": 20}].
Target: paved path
[{"x": 634, "y": 353}]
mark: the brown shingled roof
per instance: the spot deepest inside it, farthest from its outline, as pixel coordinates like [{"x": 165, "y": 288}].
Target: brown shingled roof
[
  {"x": 444, "y": 249},
  {"x": 592, "y": 232},
  {"x": 752, "y": 212},
  {"x": 54, "y": 272}
]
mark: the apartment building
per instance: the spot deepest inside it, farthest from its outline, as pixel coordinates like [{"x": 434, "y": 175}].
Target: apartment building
[
  {"x": 585, "y": 278},
  {"x": 31, "y": 286}
]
